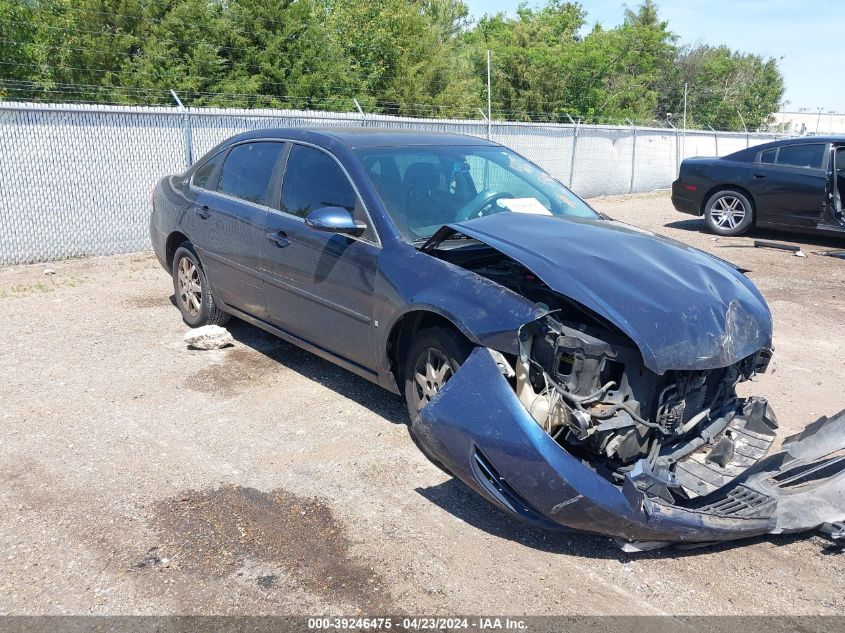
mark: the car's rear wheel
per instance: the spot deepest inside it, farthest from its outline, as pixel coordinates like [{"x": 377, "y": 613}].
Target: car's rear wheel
[
  {"x": 728, "y": 212},
  {"x": 433, "y": 358},
  {"x": 193, "y": 293}
]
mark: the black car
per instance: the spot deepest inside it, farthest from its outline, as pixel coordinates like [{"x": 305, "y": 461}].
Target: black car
[
  {"x": 794, "y": 185},
  {"x": 575, "y": 371}
]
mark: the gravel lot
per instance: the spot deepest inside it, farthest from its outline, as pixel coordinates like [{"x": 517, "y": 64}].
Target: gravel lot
[{"x": 138, "y": 477}]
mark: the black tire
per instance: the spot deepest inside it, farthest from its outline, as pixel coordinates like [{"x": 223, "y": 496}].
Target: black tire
[
  {"x": 438, "y": 344},
  {"x": 194, "y": 300},
  {"x": 728, "y": 212}
]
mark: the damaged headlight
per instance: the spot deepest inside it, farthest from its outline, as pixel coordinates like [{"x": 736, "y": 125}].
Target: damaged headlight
[{"x": 590, "y": 392}]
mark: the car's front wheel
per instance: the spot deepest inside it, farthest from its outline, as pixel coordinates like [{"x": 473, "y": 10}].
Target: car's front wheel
[
  {"x": 434, "y": 356},
  {"x": 728, "y": 213},
  {"x": 193, "y": 293}
]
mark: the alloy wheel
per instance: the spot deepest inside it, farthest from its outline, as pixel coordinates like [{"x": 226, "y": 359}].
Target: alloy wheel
[
  {"x": 728, "y": 212},
  {"x": 431, "y": 371},
  {"x": 190, "y": 287}
]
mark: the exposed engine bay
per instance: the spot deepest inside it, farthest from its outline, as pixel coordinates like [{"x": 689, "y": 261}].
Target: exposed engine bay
[
  {"x": 598, "y": 401},
  {"x": 612, "y": 407},
  {"x": 583, "y": 381}
]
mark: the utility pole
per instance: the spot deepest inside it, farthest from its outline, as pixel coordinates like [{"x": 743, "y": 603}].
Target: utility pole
[{"x": 489, "y": 99}]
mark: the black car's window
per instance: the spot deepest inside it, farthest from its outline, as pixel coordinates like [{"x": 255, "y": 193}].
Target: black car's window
[
  {"x": 313, "y": 179},
  {"x": 247, "y": 171},
  {"x": 810, "y": 155},
  {"x": 204, "y": 171},
  {"x": 769, "y": 156}
]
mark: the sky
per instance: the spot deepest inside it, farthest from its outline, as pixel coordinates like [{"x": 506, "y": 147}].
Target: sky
[{"x": 807, "y": 36}]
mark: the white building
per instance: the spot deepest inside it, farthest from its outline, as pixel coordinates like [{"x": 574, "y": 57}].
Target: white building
[{"x": 806, "y": 121}]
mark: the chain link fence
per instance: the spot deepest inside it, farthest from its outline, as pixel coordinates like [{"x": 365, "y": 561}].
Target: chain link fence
[{"x": 76, "y": 179}]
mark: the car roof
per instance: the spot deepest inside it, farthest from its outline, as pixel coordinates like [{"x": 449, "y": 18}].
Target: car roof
[
  {"x": 751, "y": 152},
  {"x": 355, "y": 137}
]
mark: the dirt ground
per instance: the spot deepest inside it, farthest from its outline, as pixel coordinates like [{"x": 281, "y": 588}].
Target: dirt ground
[{"x": 139, "y": 477}]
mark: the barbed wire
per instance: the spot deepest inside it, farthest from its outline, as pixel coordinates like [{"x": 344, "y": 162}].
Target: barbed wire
[{"x": 69, "y": 94}]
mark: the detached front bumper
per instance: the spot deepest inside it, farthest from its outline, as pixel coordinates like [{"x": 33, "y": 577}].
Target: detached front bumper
[{"x": 480, "y": 432}]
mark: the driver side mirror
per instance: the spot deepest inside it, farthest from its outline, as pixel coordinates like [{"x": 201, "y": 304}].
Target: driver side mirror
[{"x": 334, "y": 220}]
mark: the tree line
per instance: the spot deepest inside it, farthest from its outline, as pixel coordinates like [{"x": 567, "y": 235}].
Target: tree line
[{"x": 405, "y": 57}]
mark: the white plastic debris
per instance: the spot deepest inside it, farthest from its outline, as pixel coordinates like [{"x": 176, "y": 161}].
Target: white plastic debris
[
  {"x": 800, "y": 254},
  {"x": 49, "y": 271},
  {"x": 208, "y": 337}
]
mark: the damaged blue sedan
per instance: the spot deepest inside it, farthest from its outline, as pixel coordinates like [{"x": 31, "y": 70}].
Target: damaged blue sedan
[{"x": 575, "y": 371}]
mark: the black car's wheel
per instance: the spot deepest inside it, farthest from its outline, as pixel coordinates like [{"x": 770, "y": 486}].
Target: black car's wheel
[
  {"x": 728, "y": 212},
  {"x": 434, "y": 356},
  {"x": 193, "y": 293}
]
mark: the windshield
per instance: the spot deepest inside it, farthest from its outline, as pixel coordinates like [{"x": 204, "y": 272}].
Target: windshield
[{"x": 425, "y": 187}]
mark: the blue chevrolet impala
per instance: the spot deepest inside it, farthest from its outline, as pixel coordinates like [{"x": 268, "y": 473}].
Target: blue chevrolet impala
[{"x": 575, "y": 371}]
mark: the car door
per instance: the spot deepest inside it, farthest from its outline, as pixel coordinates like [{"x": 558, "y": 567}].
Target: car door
[
  {"x": 790, "y": 184},
  {"x": 834, "y": 217},
  {"x": 231, "y": 220},
  {"x": 319, "y": 285}
]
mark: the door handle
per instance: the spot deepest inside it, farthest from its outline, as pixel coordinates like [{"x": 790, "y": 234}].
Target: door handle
[
  {"x": 204, "y": 212},
  {"x": 759, "y": 176},
  {"x": 280, "y": 239}
]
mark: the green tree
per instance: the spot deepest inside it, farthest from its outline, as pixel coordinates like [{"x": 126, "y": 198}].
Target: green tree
[
  {"x": 545, "y": 68},
  {"x": 17, "y": 62},
  {"x": 404, "y": 56},
  {"x": 408, "y": 57},
  {"x": 726, "y": 89},
  {"x": 616, "y": 73},
  {"x": 531, "y": 57}
]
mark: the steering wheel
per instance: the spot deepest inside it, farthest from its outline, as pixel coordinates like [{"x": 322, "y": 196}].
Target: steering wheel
[{"x": 478, "y": 206}]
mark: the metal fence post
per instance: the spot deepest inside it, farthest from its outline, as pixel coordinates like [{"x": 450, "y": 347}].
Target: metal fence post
[
  {"x": 574, "y": 151},
  {"x": 633, "y": 157},
  {"x": 186, "y": 130},
  {"x": 360, "y": 111},
  {"x": 716, "y": 138},
  {"x": 677, "y": 152}
]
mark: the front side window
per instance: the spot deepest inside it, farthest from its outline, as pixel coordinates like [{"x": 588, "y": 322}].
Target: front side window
[
  {"x": 810, "y": 155},
  {"x": 424, "y": 188},
  {"x": 313, "y": 180},
  {"x": 247, "y": 171}
]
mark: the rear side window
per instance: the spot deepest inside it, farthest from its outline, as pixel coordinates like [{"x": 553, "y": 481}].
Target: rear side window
[
  {"x": 203, "y": 173},
  {"x": 247, "y": 171},
  {"x": 769, "y": 156},
  {"x": 810, "y": 155}
]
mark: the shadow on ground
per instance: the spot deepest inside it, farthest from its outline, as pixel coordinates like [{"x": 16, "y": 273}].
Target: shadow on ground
[
  {"x": 381, "y": 402},
  {"x": 696, "y": 225},
  {"x": 462, "y": 502}
]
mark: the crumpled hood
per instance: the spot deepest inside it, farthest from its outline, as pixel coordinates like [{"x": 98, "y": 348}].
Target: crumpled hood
[{"x": 683, "y": 308}]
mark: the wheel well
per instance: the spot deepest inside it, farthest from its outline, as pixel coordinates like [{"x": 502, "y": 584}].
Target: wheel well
[
  {"x": 173, "y": 241},
  {"x": 402, "y": 334},
  {"x": 719, "y": 188}
]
